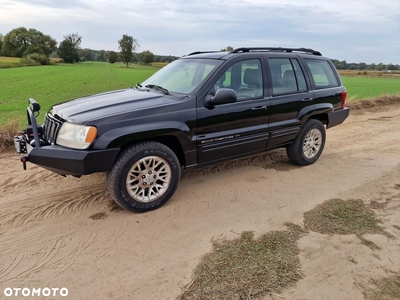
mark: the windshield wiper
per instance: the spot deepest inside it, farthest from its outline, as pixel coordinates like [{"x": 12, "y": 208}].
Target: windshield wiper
[
  {"x": 157, "y": 88},
  {"x": 138, "y": 85}
]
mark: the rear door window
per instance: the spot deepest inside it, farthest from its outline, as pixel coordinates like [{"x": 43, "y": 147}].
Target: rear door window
[
  {"x": 287, "y": 76},
  {"x": 322, "y": 73}
]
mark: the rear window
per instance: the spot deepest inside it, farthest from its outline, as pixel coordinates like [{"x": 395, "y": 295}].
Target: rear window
[{"x": 322, "y": 73}]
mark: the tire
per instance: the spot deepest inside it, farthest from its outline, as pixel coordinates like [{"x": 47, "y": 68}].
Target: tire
[
  {"x": 144, "y": 177},
  {"x": 308, "y": 145}
]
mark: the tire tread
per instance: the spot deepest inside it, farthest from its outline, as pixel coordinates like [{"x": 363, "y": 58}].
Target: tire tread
[{"x": 113, "y": 177}]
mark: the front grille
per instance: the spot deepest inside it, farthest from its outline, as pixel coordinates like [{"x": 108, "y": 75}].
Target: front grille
[{"x": 51, "y": 127}]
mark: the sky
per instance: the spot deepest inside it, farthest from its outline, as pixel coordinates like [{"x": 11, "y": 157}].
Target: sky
[{"x": 352, "y": 30}]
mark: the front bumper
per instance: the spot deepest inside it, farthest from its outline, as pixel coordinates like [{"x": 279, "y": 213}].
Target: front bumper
[
  {"x": 337, "y": 117},
  {"x": 66, "y": 161},
  {"x": 61, "y": 160}
]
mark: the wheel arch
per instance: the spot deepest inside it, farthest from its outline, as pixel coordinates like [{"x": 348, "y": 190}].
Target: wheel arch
[
  {"x": 323, "y": 118},
  {"x": 174, "y": 135},
  {"x": 317, "y": 112},
  {"x": 171, "y": 141}
]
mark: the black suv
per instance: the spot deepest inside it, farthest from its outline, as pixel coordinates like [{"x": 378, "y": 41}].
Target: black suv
[{"x": 200, "y": 109}]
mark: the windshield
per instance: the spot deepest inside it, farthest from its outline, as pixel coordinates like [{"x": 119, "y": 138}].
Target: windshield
[{"x": 184, "y": 75}]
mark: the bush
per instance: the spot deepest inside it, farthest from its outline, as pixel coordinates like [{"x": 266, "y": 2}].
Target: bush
[
  {"x": 112, "y": 57},
  {"x": 26, "y": 61},
  {"x": 39, "y": 58}
]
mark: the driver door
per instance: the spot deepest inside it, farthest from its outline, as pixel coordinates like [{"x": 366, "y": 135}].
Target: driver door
[{"x": 238, "y": 128}]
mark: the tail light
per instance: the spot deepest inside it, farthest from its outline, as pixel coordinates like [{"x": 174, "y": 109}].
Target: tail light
[{"x": 344, "y": 95}]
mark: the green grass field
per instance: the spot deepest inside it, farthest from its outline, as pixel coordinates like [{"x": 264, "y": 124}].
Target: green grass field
[
  {"x": 53, "y": 84},
  {"x": 370, "y": 87},
  {"x": 60, "y": 82}
]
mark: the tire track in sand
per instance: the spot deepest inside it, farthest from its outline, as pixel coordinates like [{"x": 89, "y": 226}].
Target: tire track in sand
[
  {"x": 53, "y": 204},
  {"x": 51, "y": 254}
]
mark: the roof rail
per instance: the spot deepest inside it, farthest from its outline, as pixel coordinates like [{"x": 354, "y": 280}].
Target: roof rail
[
  {"x": 277, "y": 49},
  {"x": 201, "y": 52}
]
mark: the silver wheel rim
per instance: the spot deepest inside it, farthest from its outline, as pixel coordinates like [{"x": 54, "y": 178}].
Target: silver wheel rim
[
  {"x": 148, "y": 179},
  {"x": 312, "y": 143}
]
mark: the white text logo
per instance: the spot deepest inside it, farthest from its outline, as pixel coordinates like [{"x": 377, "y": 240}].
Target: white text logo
[{"x": 27, "y": 292}]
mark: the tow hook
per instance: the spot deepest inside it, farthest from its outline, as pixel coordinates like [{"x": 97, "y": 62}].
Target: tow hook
[{"x": 24, "y": 159}]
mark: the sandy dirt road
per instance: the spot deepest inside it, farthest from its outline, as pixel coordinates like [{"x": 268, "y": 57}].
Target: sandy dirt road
[{"x": 47, "y": 238}]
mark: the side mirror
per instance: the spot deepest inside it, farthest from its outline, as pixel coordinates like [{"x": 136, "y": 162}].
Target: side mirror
[{"x": 222, "y": 96}]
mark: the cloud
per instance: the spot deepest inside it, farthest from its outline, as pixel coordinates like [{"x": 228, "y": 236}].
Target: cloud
[{"x": 344, "y": 29}]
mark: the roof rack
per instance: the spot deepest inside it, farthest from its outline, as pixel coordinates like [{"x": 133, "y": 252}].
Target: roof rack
[
  {"x": 201, "y": 52},
  {"x": 279, "y": 49}
]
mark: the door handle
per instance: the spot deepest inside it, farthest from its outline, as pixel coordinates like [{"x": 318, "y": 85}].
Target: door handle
[
  {"x": 308, "y": 99},
  {"x": 259, "y": 107}
]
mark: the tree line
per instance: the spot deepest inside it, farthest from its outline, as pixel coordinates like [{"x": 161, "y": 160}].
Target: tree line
[
  {"x": 343, "y": 65},
  {"x": 39, "y": 47}
]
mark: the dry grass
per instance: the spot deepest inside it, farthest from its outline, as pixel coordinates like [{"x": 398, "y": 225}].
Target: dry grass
[
  {"x": 296, "y": 228},
  {"x": 56, "y": 60},
  {"x": 374, "y": 105},
  {"x": 387, "y": 288},
  {"x": 245, "y": 267},
  {"x": 7, "y": 133},
  {"x": 5, "y": 59},
  {"x": 159, "y": 64},
  {"x": 368, "y": 243},
  {"x": 342, "y": 217},
  {"x": 370, "y": 73}
]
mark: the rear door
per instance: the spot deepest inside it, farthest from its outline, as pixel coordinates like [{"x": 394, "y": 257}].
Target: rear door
[
  {"x": 291, "y": 98},
  {"x": 238, "y": 128},
  {"x": 326, "y": 82}
]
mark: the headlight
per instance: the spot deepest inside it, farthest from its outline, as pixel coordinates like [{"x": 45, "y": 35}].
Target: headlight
[{"x": 76, "y": 136}]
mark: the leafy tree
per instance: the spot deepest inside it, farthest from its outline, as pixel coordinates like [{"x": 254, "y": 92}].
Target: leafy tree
[
  {"x": 127, "y": 45},
  {"x": 40, "y": 43},
  {"x": 381, "y": 67},
  {"x": 362, "y": 66},
  {"x": 20, "y": 42},
  {"x": 229, "y": 49},
  {"x": 391, "y": 67},
  {"x": 1, "y": 42},
  {"x": 352, "y": 66},
  {"x": 88, "y": 54},
  {"x": 147, "y": 57},
  {"x": 15, "y": 42},
  {"x": 112, "y": 57},
  {"x": 102, "y": 55},
  {"x": 341, "y": 65},
  {"x": 164, "y": 58},
  {"x": 69, "y": 48},
  {"x": 39, "y": 58}
]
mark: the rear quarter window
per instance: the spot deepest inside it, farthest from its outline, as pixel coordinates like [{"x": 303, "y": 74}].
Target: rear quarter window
[{"x": 322, "y": 73}]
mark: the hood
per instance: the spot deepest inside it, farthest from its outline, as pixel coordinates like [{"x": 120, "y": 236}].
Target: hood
[{"x": 98, "y": 106}]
